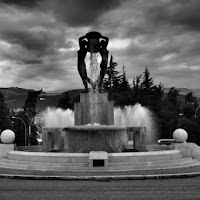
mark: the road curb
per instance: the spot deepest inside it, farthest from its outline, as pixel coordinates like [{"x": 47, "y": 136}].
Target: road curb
[{"x": 101, "y": 178}]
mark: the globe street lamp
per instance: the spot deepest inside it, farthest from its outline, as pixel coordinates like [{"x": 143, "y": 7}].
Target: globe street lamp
[{"x": 24, "y": 126}]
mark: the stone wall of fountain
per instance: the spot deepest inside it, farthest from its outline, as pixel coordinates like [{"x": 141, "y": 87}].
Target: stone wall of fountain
[
  {"x": 83, "y": 139},
  {"x": 89, "y": 133},
  {"x": 134, "y": 118}
]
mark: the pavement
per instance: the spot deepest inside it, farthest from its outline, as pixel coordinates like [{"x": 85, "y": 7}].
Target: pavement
[{"x": 184, "y": 172}]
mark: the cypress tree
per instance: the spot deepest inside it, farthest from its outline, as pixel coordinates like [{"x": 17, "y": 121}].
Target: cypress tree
[{"x": 124, "y": 84}]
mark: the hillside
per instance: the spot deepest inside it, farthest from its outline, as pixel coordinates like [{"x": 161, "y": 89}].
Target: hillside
[
  {"x": 14, "y": 91},
  {"x": 15, "y": 97},
  {"x": 185, "y": 91}
]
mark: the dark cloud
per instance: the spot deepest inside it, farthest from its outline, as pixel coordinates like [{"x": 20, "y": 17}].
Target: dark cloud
[
  {"x": 37, "y": 42},
  {"x": 176, "y": 13},
  {"x": 51, "y": 71},
  {"x": 187, "y": 14},
  {"x": 23, "y": 3},
  {"x": 82, "y": 12}
]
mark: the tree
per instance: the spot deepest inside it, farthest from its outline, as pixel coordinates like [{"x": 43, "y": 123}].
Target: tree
[
  {"x": 147, "y": 82},
  {"x": 158, "y": 93},
  {"x": 30, "y": 107},
  {"x": 5, "y": 117},
  {"x": 137, "y": 84},
  {"x": 169, "y": 113},
  {"x": 124, "y": 84},
  {"x": 136, "y": 90},
  {"x": 64, "y": 101},
  {"x": 30, "y": 103},
  {"x": 190, "y": 99},
  {"x": 149, "y": 94},
  {"x": 21, "y": 130},
  {"x": 188, "y": 111},
  {"x": 192, "y": 128},
  {"x": 112, "y": 81},
  {"x": 34, "y": 134},
  {"x": 172, "y": 96},
  {"x": 122, "y": 91}
]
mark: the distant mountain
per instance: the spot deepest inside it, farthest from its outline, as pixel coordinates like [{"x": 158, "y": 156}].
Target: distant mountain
[
  {"x": 15, "y": 97},
  {"x": 56, "y": 91},
  {"x": 14, "y": 91},
  {"x": 185, "y": 91}
]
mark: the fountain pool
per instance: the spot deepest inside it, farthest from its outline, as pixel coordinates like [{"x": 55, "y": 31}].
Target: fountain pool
[{"x": 84, "y": 138}]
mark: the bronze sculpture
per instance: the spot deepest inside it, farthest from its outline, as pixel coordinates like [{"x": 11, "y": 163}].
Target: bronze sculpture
[{"x": 92, "y": 42}]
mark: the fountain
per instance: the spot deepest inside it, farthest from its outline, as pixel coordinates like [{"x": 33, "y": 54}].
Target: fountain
[
  {"x": 137, "y": 116},
  {"x": 93, "y": 128},
  {"x": 95, "y": 136}
]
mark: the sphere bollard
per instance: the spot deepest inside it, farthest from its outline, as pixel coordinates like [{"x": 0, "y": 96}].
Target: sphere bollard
[
  {"x": 180, "y": 135},
  {"x": 7, "y": 136}
]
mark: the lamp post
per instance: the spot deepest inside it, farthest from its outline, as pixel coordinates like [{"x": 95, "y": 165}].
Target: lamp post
[{"x": 24, "y": 126}]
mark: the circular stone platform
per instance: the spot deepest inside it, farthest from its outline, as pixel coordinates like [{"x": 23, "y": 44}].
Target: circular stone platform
[{"x": 81, "y": 162}]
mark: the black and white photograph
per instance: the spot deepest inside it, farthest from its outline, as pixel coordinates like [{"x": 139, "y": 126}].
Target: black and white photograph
[{"x": 99, "y": 99}]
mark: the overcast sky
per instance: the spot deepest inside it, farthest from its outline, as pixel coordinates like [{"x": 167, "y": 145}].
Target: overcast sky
[{"x": 39, "y": 40}]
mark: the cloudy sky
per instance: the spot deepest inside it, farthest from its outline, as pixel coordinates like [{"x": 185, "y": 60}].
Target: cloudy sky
[{"x": 39, "y": 40}]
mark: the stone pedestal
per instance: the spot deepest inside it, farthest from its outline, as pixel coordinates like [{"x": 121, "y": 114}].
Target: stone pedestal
[
  {"x": 103, "y": 109},
  {"x": 52, "y": 139},
  {"x": 98, "y": 159},
  {"x": 5, "y": 148},
  {"x": 138, "y": 134}
]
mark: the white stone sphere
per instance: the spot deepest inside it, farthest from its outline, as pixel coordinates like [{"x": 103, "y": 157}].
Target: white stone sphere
[
  {"x": 7, "y": 136},
  {"x": 180, "y": 135}
]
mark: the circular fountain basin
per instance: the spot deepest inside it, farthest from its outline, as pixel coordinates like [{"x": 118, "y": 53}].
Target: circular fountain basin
[{"x": 83, "y": 139}]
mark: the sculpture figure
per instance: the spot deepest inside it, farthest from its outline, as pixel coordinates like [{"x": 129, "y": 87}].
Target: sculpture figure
[{"x": 92, "y": 42}]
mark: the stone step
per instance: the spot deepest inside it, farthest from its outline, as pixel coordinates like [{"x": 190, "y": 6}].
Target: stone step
[
  {"x": 157, "y": 147},
  {"x": 144, "y": 156},
  {"x": 11, "y": 164},
  {"x": 41, "y": 163},
  {"x": 148, "y": 163},
  {"x": 48, "y": 157},
  {"x": 83, "y": 157},
  {"x": 20, "y": 162},
  {"x": 80, "y": 161},
  {"x": 155, "y": 166},
  {"x": 25, "y": 165}
]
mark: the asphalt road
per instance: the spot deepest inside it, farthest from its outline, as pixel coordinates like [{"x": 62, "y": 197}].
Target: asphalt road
[{"x": 14, "y": 189}]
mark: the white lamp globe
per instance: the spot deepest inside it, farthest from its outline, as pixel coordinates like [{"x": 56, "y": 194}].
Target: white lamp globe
[
  {"x": 7, "y": 136},
  {"x": 180, "y": 135}
]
